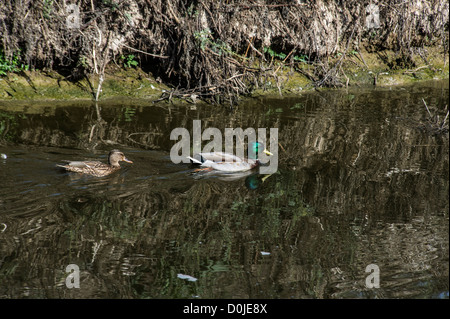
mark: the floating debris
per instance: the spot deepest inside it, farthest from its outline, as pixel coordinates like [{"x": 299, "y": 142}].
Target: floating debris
[
  {"x": 265, "y": 253},
  {"x": 3, "y": 156},
  {"x": 396, "y": 170},
  {"x": 187, "y": 277}
]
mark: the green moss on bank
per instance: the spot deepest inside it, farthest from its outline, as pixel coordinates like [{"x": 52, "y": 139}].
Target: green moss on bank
[
  {"x": 37, "y": 85},
  {"x": 369, "y": 69}
]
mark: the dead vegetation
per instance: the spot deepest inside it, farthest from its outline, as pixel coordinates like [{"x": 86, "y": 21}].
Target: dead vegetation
[{"x": 216, "y": 50}]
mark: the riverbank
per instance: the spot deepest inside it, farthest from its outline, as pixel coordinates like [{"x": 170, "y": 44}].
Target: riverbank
[{"x": 360, "y": 69}]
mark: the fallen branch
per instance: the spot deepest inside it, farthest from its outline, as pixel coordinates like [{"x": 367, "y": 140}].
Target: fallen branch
[
  {"x": 415, "y": 70},
  {"x": 146, "y": 53}
]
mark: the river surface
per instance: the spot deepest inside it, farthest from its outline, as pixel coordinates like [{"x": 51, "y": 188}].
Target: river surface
[{"x": 358, "y": 207}]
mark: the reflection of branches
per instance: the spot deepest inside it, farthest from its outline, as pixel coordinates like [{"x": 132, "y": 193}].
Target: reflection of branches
[
  {"x": 99, "y": 123},
  {"x": 435, "y": 124},
  {"x": 146, "y": 134},
  {"x": 97, "y": 109}
]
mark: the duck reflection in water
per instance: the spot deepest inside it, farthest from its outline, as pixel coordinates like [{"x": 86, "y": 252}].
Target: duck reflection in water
[{"x": 252, "y": 180}]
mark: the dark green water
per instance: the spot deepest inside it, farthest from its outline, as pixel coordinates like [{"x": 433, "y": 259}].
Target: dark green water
[{"x": 362, "y": 179}]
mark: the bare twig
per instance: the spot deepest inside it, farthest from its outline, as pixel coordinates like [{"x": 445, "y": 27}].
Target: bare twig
[{"x": 285, "y": 60}]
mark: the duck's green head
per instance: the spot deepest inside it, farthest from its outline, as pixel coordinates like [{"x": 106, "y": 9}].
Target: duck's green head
[{"x": 254, "y": 148}]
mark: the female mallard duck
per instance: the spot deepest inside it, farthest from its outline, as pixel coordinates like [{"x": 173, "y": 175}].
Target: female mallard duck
[
  {"x": 226, "y": 162},
  {"x": 96, "y": 168}
]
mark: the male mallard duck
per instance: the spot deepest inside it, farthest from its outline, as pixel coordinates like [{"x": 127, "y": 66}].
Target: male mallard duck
[
  {"x": 96, "y": 168},
  {"x": 228, "y": 162}
]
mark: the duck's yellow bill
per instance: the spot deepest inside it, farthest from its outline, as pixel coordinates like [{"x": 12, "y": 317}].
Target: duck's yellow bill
[{"x": 267, "y": 152}]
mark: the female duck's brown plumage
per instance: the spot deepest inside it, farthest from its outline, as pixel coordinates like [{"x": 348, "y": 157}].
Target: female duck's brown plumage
[{"x": 96, "y": 168}]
